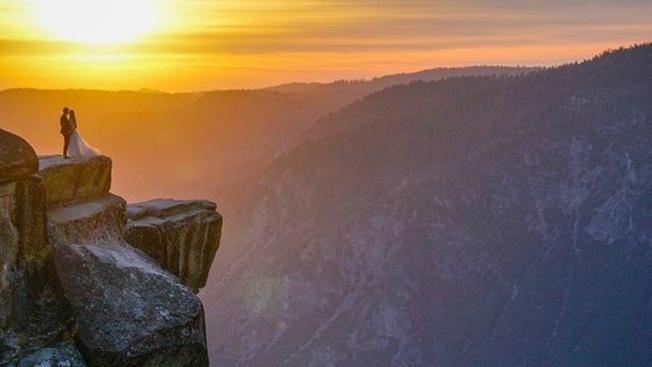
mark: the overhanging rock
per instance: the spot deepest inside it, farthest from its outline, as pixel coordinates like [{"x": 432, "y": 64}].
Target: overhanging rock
[{"x": 182, "y": 236}]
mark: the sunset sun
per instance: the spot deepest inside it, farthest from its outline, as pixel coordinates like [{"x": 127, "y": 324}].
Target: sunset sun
[{"x": 96, "y": 21}]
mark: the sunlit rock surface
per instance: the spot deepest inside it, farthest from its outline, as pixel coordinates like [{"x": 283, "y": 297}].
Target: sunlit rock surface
[
  {"x": 89, "y": 222},
  {"x": 182, "y": 236},
  {"x": 129, "y": 311},
  {"x": 75, "y": 180},
  {"x": 33, "y": 312}
]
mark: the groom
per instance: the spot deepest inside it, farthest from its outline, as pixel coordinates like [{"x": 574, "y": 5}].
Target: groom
[{"x": 66, "y": 130}]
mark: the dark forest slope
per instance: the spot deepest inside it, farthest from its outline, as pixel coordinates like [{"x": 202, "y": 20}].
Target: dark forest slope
[{"x": 468, "y": 222}]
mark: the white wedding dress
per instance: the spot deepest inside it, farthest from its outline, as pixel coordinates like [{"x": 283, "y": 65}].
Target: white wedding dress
[{"x": 79, "y": 148}]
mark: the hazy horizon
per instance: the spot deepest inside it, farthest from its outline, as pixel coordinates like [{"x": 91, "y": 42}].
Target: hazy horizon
[
  {"x": 183, "y": 46},
  {"x": 146, "y": 89}
]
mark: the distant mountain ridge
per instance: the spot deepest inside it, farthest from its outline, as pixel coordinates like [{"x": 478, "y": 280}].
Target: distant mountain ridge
[
  {"x": 240, "y": 130},
  {"x": 473, "y": 221},
  {"x": 343, "y": 92},
  {"x": 385, "y": 81}
]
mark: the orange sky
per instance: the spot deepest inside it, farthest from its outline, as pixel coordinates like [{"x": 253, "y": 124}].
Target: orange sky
[{"x": 182, "y": 45}]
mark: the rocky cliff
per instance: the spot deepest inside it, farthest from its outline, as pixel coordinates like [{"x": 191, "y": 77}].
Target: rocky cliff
[
  {"x": 477, "y": 222},
  {"x": 34, "y": 314},
  {"x": 74, "y": 292}
]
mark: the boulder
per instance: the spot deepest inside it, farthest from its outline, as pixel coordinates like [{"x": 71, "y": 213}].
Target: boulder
[
  {"x": 33, "y": 311},
  {"x": 17, "y": 157},
  {"x": 59, "y": 355},
  {"x": 129, "y": 311},
  {"x": 74, "y": 180},
  {"x": 98, "y": 221},
  {"x": 182, "y": 236}
]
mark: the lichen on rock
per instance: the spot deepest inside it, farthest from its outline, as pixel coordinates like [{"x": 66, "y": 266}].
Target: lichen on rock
[{"x": 59, "y": 355}]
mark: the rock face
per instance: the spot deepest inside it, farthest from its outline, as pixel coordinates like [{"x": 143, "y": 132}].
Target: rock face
[
  {"x": 182, "y": 236},
  {"x": 64, "y": 261},
  {"x": 17, "y": 158},
  {"x": 71, "y": 180},
  {"x": 33, "y": 312},
  {"x": 59, "y": 355},
  {"x": 160, "y": 323},
  {"x": 129, "y": 311},
  {"x": 102, "y": 219}
]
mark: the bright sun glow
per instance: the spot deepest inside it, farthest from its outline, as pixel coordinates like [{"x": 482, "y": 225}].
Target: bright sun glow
[{"x": 97, "y": 21}]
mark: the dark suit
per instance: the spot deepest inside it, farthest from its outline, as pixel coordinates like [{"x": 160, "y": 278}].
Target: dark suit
[{"x": 66, "y": 130}]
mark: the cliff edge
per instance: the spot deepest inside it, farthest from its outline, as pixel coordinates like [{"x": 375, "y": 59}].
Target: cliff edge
[{"x": 73, "y": 291}]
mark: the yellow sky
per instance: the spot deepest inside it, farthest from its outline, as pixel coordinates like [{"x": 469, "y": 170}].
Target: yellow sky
[{"x": 181, "y": 45}]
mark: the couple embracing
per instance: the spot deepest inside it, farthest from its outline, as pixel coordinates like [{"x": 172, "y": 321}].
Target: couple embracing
[{"x": 74, "y": 145}]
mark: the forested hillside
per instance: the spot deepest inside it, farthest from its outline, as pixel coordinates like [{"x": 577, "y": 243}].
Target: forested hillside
[{"x": 476, "y": 221}]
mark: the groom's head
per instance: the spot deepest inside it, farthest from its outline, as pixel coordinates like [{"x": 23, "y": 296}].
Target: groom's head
[{"x": 66, "y": 110}]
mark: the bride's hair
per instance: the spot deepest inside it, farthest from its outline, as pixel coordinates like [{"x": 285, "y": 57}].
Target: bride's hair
[{"x": 71, "y": 113}]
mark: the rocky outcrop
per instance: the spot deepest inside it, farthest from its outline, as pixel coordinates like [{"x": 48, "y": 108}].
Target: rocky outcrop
[
  {"x": 17, "y": 158},
  {"x": 33, "y": 312},
  {"x": 182, "y": 236},
  {"x": 160, "y": 322},
  {"x": 101, "y": 220},
  {"x": 129, "y": 311},
  {"x": 72, "y": 180},
  {"x": 73, "y": 291}
]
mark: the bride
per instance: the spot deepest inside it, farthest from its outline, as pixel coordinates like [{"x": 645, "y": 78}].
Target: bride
[{"x": 78, "y": 147}]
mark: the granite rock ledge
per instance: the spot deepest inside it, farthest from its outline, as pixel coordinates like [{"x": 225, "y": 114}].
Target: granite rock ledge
[
  {"x": 73, "y": 291},
  {"x": 129, "y": 310},
  {"x": 183, "y": 236},
  {"x": 69, "y": 180},
  {"x": 34, "y": 315}
]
